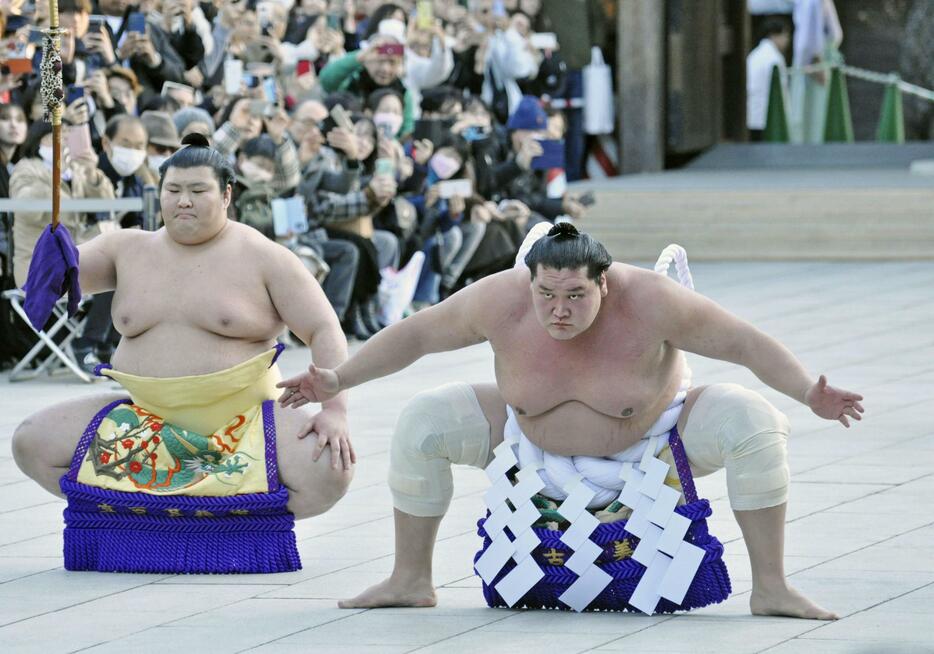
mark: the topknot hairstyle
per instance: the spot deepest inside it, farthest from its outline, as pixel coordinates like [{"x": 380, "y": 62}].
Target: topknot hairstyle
[
  {"x": 196, "y": 152},
  {"x": 564, "y": 229},
  {"x": 564, "y": 247}
]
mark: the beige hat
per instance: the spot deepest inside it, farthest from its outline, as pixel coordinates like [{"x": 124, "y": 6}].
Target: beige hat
[{"x": 161, "y": 129}]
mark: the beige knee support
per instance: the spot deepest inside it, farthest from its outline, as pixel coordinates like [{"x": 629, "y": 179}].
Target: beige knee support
[
  {"x": 436, "y": 428},
  {"x": 732, "y": 427}
]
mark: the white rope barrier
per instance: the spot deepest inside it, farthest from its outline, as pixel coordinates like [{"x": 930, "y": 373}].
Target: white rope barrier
[{"x": 868, "y": 76}]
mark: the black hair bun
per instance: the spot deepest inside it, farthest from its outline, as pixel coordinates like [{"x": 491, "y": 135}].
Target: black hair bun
[
  {"x": 196, "y": 140},
  {"x": 564, "y": 229}
]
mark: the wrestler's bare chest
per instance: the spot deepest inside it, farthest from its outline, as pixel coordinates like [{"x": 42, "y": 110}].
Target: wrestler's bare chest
[
  {"x": 595, "y": 394},
  {"x": 198, "y": 308}
]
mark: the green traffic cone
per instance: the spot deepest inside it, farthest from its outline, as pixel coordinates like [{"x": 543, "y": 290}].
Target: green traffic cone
[
  {"x": 776, "y": 121},
  {"x": 839, "y": 124},
  {"x": 892, "y": 119}
]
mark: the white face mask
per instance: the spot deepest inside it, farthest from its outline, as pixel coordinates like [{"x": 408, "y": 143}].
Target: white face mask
[
  {"x": 255, "y": 173},
  {"x": 127, "y": 161},
  {"x": 387, "y": 122},
  {"x": 156, "y": 160},
  {"x": 46, "y": 153}
]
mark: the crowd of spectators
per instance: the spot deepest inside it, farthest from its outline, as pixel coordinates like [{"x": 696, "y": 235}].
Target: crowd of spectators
[{"x": 401, "y": 150}]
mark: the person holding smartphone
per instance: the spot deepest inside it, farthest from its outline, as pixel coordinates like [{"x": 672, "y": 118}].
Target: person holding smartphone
[
  {"x": 343, "y": 190},
  {"x": 362, "y": 72},
  {"x": 450, "y": 235},
  {"x": 521, "y": 179},
  {"x": 148, "y": 48},
  {"x": 246, "y": 118}
]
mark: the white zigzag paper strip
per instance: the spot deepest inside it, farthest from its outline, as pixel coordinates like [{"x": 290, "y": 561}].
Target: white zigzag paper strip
[
  {"x": 527, "y": 573},
  {"x": 591, "y": 580}
]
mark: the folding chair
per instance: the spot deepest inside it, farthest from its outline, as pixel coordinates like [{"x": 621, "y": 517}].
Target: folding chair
[
  {"x": 61, "y": 358},
  {"x": 62, "y": 355}
]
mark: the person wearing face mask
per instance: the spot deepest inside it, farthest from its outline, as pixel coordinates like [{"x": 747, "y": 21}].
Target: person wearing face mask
[
  {"x": 451, "y": 229},
  {"x": 123, "y": 160},
  {"x": 32, "y": 179},
  {"x": 387, "y": 107},
  {"x": 81, "y": 178},
  {"x": 163, "y": 139}
]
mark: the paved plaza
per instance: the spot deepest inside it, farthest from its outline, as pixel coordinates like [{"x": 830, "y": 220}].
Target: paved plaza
[{"x": 860, "y": 536}]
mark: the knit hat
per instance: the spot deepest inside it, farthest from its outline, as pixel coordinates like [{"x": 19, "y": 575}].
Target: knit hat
[
  {"x": 161, "y": 129},
  {"x": 187, "y": 115},
  {"x": 528, "y": 115}
]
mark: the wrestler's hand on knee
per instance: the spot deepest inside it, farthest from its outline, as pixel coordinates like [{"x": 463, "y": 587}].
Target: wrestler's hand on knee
[
  {"x": 833, "y": 403},
  {"x": 316, "y": 385},
  {"x": 330, "y": 426}
]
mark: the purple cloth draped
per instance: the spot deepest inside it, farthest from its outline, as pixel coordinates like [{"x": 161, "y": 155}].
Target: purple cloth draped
[{"x": 53, "y": 271}]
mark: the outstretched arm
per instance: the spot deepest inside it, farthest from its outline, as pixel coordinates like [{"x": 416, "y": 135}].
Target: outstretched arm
[
  {"x": 449, "y": 325},
  {"x": 699, "y": 325},
  {"x": 305, "y": 309}
]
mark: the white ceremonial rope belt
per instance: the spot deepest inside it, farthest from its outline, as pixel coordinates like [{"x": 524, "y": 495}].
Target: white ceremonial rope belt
[
  {"x": 582, "y": 482},
  {"x": 600, "y": 474}
]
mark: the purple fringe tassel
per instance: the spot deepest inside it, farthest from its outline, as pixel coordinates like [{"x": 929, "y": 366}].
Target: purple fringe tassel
[
  {"x": 116, "y": 531},
  {"x": 711, "y": 584}
]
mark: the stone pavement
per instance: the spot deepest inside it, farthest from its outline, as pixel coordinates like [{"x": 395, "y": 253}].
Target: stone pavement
[{"x": 860, "y": 537}]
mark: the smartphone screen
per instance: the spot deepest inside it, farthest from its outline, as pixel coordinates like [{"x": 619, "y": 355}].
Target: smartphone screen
[
  {"x": 303, "y": 67},
  {"x": 448, "y": 188},
  {"x": 78, "y": 140},
  {"x": 136, "y": 22},
  {"x": 73, "y": 93},
  {"x": 93, "y": 61},
  {"x": 233, "y": 76},
  {"x": 424, "y": 15},
  {"x": 269, "y": 90},
  {"x": 384, "y": 167}
]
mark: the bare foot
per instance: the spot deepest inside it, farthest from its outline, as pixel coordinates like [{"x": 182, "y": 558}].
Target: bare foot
[
  {"x": 789, "y": 602},
  {"x": 393, "y": 592}
]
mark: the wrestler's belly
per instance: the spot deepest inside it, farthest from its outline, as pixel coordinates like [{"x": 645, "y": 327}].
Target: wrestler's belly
[
  {"x": 178, "y": 349},
  {"x": 576, "y": 429}
]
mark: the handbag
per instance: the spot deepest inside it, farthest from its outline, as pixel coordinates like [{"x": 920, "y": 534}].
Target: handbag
[
  {"x": 711, "y": 583},
  {"x": 598, "y": 95}
]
